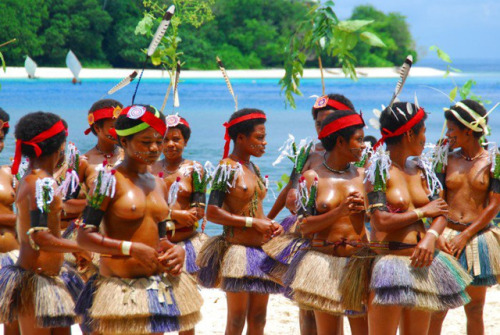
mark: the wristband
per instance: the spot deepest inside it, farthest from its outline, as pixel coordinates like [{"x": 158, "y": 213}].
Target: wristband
[
  {"x": 126, "y": 246},
  {"x": 248, "y": 222},
  {"x": 433, "y": 232},
  {"x": 420, "y": 214}
]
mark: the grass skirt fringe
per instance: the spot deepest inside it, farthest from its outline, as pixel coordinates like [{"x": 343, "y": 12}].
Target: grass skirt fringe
[
  {"x": 481, "y": 255},
  {"x": 209, "y": 261},
  {"x": 144, "y": 305},
  {"x": 192, "y": 246},
  {"x": 315, "y": 279},
  {"x": 9, "y": 258},
  {"x": 438, "y": 287},
  {"x": 50, "y": 299}
]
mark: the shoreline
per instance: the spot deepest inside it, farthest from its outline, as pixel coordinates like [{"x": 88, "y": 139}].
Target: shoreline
[{"x": 329, "y": 73}]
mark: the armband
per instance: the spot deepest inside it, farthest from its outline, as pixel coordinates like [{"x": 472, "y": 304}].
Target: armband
[
  {"x": 198, "y": 199},
  {"x": 38, "y": 222},
  {"x": 294, "y": 178},
  {"x": 495, "y": 185},
  {"x": 377, "y": 200},
  {"x": 92, "y": 217},
  {"x": 74, "y": 194},
  {"x": 441, "y": 176},
  {"x": 162, "y": 228},
  {"x": 217, "y": 198}
]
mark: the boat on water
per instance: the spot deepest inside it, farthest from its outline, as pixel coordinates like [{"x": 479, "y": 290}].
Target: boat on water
[
  {"x": 30, "y": 67},
  {"x": 74, "y": 66}
]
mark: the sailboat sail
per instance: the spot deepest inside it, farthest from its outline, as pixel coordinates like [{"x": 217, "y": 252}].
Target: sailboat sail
[
  {"x": 73, "y": 64},
  {"x": 30, "y": 66}
]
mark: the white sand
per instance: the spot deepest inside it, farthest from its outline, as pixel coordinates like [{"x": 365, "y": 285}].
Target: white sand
[{"x": 58, "y": 72}]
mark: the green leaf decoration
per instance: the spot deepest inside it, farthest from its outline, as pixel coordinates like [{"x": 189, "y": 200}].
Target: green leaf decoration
[
  {"x": 3, "y": 62},
  {"x": 453, "y": 94},
  {"x": 353, "y": 25},
  {"x": 441, "y": 54},
  {"x": 372, "y": 39}
]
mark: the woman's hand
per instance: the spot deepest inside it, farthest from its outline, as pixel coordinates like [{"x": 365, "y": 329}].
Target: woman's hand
[
  {"x": 185, "y": 217},
  {"x": 277, "y": 229},
  {"x": 458, "y": 244},
  {"x": 173, "y": 259},
  {"x": 435, "y": 208},
  {"x": 353, "y": 204},
  {"x": 424, "y": 252},
  {"x": 145, "y": 255},
  {"x": 264, "y": 226},
  {"x": 443, "y": 245}
]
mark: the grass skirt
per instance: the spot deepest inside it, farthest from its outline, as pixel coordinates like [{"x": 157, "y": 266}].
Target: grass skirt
[
  {"x": 50, "y": 299},
  {"x": 9, "y": 258},
  {"x": 192, "y": 246},
  {"x": 155, "y": 304},
  {"x": 315, "y": 278},
  {"x": 438, "y": 287},
  {"x": 234, "y": 268},
  {"x": 481, "y": 255}
]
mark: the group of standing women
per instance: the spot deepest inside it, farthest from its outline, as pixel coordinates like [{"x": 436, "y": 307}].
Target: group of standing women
[{"x": 383, "y": 240}]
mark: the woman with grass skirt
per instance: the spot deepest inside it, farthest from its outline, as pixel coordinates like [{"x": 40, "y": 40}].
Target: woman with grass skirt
[
  {"x": 409, "y": 279},
  {"x": 37, "y": 291},
  {"x": 186, "y": 183},
  {"x": 336, "y": 230},
  {"x": 471, "y": 180},
  {"x": 141, "y": 287},
  {"x": 232, "y": 260},
  {"x": 9, "y": 246}
]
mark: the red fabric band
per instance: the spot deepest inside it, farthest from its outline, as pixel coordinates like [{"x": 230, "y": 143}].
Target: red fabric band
[
  {"x": 51, "y": 132},
  {"x": 325, "y": 101},
  {"x": 149, "y": 118},
  {"x": 343, "y": 122},
  {"x": 4, "y": 124},
  {"x": 240, "y": 119},
  {"x": 103, "y": 113},
  {"x": 419, "y": 115},
  {"x": 184, "y": 122}
]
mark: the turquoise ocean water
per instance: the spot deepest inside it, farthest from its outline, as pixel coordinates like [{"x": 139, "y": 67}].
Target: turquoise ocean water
[{"x": 206, "y": 104}]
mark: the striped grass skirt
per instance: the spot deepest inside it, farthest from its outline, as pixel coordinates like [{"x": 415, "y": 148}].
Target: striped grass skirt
[
  {"x": 156, "y": 304},
  {"x": 439, "y": 287},
  {"x": 481, "y": 255},
  {"x": 192, "y": 247},
  {"x": 314, "y": 279},
  {"x": 234, "y": 268},
  {"x": 9, "y": 258},
  {"x": 50, "y": 299}
]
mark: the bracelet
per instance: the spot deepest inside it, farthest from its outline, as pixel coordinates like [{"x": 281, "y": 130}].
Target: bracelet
[
  {"x": 248, "y": 222},
  {"x": 420, "y": 214},
  {"x": 125, "y": 247},
  {"x": 433, "y": 232}
]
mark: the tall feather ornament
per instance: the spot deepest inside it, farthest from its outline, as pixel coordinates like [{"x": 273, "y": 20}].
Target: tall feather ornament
[
  {"x": 176, "y": 84},
  {"x": 229, "y": 86},
  {"x": 160, "y": 32},
  {"x": 125, "y": 81},
  {"x": 404, "y": 71}
]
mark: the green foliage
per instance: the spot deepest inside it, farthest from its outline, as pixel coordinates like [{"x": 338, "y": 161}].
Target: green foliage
[{"x": 283, "y": 181}]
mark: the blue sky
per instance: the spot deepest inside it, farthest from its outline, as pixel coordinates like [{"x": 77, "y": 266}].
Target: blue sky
[{"x": 463, "y": 28}]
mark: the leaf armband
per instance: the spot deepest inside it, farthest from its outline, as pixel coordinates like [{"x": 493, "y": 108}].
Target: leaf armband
[
  {"x": 92, "y": 217},
  {"x": 224, "y": 179},
  {"x": 377, "y": 200}
]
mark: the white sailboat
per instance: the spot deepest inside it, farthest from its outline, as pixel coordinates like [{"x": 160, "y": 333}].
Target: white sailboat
[
  {"x": 74, "y": 65},
  {"x": 30, "y": 67}
]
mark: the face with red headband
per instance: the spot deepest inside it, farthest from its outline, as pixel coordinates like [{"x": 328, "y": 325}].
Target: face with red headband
[
  {"x": 327, "y": 105},
  {"x": 248, "y": 132},
  {"x": 140, "y": 130},
  {"x": 178, "y": 134},
  {"x": 343, "y": 131},
  {"x": 4, "y": 129},
  {"x": 101, "y": 118}
]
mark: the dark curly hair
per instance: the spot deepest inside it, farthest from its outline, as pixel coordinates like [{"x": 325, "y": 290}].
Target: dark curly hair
[
  {"x": 4, "y": 116},
  {"x": 185, "y": 130},
  {"x": 34, "y": 124},
  {"x": 104, "y": 103},
  {"x": 475, "y": 106},
  {"x": 338, "y": 97},
  {"x": 330, "y": 141},
  {"x": 391, "y": 119},
  {"x": 245, "y": 127},
  {"x": 123, "y": 122}
]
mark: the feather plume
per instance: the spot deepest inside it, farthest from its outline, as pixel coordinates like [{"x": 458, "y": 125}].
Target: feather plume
[
  {"x": 375, "y": 123},
  {"x": 161, "y": 30},
  {"x": 401, "y": 112},
  {"x": 377, "y": 113},
  {"x": 125, "y": 81},
  {"x": 404, "y": 71},
  {"x": 393, "y": 113},
  {"x": 176, "y": 84},
  {"x": 416, "y": 102},
  {"x": 409, "y": 108},
  {"x": 226, "y": 78}
]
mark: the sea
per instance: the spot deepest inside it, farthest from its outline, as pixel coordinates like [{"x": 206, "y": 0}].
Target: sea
[{"x": 207, "y": 104}]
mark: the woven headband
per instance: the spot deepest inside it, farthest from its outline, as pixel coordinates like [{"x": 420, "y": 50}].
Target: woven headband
[
  {"x": 341, "y": 123},
  {"x": 148, "y": 120}
]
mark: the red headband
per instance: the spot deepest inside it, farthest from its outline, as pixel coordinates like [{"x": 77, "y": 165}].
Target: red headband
[
  {"x": 419, "y": 115},
  {"x": 227, "y": 125},
  {"x": 4, "y": 124},
  {"x": 103, "y": 113},
  {"x": 154, "y": 122},
  {"x": 184, "y": 122},
  {"x": 326, "y": 101},
  {"x": 341, "y": 123},
  {"x": 44, "y": 135}
]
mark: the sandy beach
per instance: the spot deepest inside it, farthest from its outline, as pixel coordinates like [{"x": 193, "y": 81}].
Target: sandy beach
[{"x": 65, "y": 73}]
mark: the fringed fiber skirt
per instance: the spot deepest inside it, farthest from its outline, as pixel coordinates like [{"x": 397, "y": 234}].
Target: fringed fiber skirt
[
  {"x": 280, "y": 252},
  {"x": 481, "y": 255},
  {"x": 50, "y": 299},
  {"x": 9, "y": 258},
  {"x": 234, "y": 268},
  {"x": 192, "y": 246},
  {"x": 155, "y": 304},
  {"x": 315, "y": 278},
  {"x": 439, "y": 287}
]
